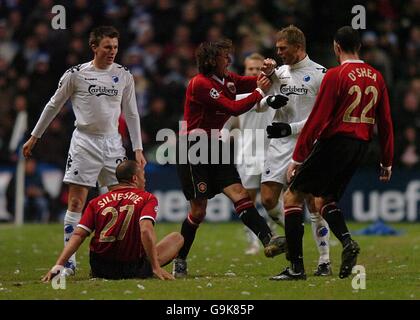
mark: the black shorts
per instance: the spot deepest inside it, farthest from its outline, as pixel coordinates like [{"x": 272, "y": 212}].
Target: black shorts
[
  {"x": 330, "y": 167},
  {"x": 204, "y": 181},
  {"x": 111, "y": 269}
]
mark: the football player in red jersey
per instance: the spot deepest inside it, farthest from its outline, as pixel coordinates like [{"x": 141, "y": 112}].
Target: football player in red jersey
[
  {"x": 210, "y": 102},
  {"x": 352, "y": 98},
  {"x": 124, "y": 242}
]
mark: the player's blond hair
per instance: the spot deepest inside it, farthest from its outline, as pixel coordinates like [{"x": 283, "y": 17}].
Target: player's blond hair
[
  {"x": 293, "y": 35},
  {"x": 254, "y": 56}
]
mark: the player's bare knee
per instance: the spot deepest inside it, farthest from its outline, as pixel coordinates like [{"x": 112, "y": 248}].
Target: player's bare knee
[
  {"x": 270, "y": 193},
  {"x": 243, "y": 194},
  {"x": 236, "y": 192},
  {"x": 292, "y": 198},
  {"x": 321, "y": 202},
  {"x": 177, "y": 239},
  {"x": 198, "y": 208},
  {"x": 269, "y": 202}
]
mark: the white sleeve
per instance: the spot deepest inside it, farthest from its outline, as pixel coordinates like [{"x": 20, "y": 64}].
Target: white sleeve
[
  {"x": 320, "y": 78},
  {"x": 262, "y": 106},
  {"x": 297, "y": 126},
  {"x": 131, "y": 114},
  {"x": 53, "y": 107}
]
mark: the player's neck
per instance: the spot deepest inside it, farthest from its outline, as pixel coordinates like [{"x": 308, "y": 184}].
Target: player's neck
[
  {"x": 348, "y": 56},
  {"x": 124, "y": 186},
  {"x": 301, "y": 56}
]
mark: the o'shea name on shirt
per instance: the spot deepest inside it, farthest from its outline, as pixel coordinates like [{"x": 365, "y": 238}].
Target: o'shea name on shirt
[
  {"x": 135, "y": 198},
  {"x": 361, "y": 73}
]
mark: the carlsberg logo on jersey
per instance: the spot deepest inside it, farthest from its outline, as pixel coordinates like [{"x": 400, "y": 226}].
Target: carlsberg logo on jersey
[
  {"x": 102, "y": 91},
  {"x": 289, "y": 90}
]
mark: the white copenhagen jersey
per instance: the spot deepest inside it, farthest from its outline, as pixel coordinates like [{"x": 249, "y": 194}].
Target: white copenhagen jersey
[
  {"x": 300, "y": 83},
  {"x": 252, "y": 145},
  {"x": 98, "y": 96}
]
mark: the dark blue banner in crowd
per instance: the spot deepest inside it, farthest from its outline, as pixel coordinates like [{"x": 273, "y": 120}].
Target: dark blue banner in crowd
[{"x": 366, "y": 198}]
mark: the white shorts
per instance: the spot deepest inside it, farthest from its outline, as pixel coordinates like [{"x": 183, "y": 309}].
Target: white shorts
[
  {"x": 93, "y": 158},
  {"x": 279, "y": 155},
  {"x": 250, "y": 174}
]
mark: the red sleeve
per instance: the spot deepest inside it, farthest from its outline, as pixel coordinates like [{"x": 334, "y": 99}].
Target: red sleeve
[
  {"x": 150, "y": 209},
  {"x": 319, "y": 117},
  {"x": 385, "y": 129},
  {"x": 244, "y": 84},
  {"x": 204, "y": 93},
  {"x": 88, "y": 218}
]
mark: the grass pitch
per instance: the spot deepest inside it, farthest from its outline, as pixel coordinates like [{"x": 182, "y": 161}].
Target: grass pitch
[{"x": 218, "y": 269}]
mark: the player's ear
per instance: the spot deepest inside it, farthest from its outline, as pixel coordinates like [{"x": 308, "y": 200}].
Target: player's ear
[
  {"x": 134, "y": 178},
  {"x": 337, "y": 48}
]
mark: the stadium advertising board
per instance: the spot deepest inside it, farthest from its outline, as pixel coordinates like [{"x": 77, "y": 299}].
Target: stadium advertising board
[{"x": 366, "y": 198}]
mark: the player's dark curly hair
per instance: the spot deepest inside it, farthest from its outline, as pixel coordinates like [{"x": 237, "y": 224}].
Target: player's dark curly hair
[
  {"x": 101, "y": 32},
  {"x": 348, "y": 39},
  {"x": 126, "y": 170},
  {"x": 207, "y": 53}
]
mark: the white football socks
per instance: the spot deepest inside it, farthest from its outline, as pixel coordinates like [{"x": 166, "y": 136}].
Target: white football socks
[
  {"x": 71, "y": 219},
  {"x": 321, "y": 234}
]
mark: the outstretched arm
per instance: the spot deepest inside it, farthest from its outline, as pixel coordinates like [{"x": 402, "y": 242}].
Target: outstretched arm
[
  {"x": 72, "y": 246},
  {"x": 209, "y": 96}
]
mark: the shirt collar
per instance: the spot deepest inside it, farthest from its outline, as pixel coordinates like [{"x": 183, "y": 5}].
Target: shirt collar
[
  {"x": 352, "y": 61},
  {"x": 222, "y": 81},
  {"x": 97, "y": 69},
  {"x": 302, "y": 63}
]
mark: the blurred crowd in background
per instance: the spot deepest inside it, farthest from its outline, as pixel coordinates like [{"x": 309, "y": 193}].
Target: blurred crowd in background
[{"x": 157, "y": 43}]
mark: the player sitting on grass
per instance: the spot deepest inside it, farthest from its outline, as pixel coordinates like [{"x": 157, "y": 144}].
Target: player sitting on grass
[{"x": 124, "y": 243}]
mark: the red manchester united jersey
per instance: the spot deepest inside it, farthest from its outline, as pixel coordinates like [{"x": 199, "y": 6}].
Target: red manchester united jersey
[
  {"x": 352, "y": 98},
  {"x": 115, "y": 218},
  {"x": 210, "y": 101}
]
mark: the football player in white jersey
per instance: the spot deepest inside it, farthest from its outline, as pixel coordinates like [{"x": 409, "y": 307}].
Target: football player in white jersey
[
  {"x": 299, "y": 80},
  {"x": 251, "y": 151},
  {"x": 98, "y": 90}
]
